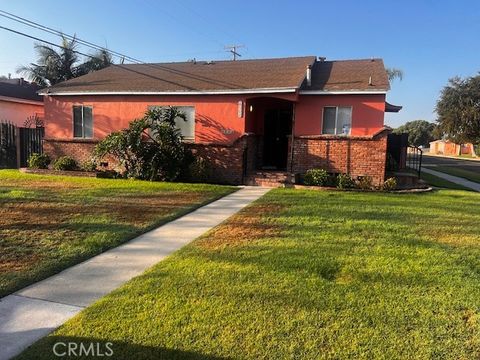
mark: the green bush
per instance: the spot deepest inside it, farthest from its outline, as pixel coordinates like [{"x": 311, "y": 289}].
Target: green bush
[
  {"x": 151, "y": 148},
  {"x": 199, "y": 170},
  {"x": 345, "y": 181},
  {"x": 38, "y": 161},
  {"x": 89, "y": 165},
  {"x": 316, "y": 177},
  {"x": 65, "y": 163},
  {"x": 365, "y": 183},
  {"x": 390, "y": 184}
]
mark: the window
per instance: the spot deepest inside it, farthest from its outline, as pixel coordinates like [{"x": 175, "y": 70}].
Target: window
[
  {"x": 82, "y": 122},
  {"x": 187, "y": 126},
  {"x": 337, "y": 120}
]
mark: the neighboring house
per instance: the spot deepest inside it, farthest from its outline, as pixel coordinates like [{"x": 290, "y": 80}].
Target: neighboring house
[
  {"x": 241, "y": 114},
  {"x": 449, "y": 148},
  {"x": 19, "y": 101}
]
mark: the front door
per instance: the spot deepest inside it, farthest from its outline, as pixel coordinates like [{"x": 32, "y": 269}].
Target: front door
[{"x": 277, "y": 128}]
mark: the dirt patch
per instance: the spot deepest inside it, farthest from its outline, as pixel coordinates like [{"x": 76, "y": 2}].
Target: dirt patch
[{"x": 249, "y": 225}]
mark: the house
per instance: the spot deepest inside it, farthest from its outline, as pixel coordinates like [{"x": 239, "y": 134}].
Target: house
[
  {"x": 449, "y": 148},
  {"x": 248, "y": 118},
  {"x": 19, "y": 102}
]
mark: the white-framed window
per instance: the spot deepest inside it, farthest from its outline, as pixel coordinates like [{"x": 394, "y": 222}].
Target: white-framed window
[
  {"x": 337, "y": 120},
  {"x": 82, "y": 121},
  {"x": 187, "y": 126}
]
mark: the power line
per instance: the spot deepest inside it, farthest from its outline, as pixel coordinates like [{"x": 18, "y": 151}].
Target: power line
[
  {"x": 45, "y": 41},
  {"x": 86, "y": 43},
  {"x": 154, "y": 66},
  {"x": 62, "y": 34}
]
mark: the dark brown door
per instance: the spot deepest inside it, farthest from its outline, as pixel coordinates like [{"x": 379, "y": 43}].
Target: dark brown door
[{"x": 277, "y": 128}]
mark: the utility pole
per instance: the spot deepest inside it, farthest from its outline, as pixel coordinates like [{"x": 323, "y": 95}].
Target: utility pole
[{"x": 233, "y": 49}]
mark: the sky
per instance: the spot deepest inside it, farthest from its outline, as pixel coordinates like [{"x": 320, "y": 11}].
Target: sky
[{"x": 430, "y": 41}]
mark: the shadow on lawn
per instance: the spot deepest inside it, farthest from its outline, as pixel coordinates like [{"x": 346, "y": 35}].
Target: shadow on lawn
[{"x": 44, "y": 349}]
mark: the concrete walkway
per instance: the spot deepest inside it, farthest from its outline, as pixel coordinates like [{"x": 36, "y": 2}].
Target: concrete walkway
[
  {"x": 454, "y": 179},
  {"x": 36, "y": 310}
]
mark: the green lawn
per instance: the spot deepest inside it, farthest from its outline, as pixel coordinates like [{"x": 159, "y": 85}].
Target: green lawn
[
  {"x": 48, "y": 223},
  {"x": 306, "y": 275},
  {"x": 456, "y": 171},
  {"x": 441, "y": 183}
]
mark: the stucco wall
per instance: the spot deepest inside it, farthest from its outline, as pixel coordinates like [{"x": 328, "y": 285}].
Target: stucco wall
[
  {"x": 216, "y": 117},
  {"x": 367, "y": 113},
  {"x": 17, "y": 113}
]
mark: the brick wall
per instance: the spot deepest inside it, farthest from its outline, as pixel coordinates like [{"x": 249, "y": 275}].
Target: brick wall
[
  {"x": 80, "y": 150},
  {"x": 226, "y": 161},
  {"x": 356, "y": 156}
]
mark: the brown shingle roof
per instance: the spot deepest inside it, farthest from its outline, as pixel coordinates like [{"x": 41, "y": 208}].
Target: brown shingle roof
[
  {"x": 281, "y": 73},
  {"x": 189, "y": 76},
  {"x": 349, "y": 75}
]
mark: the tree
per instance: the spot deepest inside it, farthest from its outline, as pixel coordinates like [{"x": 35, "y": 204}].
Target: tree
[
  {"x": 151, "y": 148},
  {"x": 394, "y": 73},
  {"x": 55, "y": 66},
  {"x": 458, "y": 110},
  {"x": 420, "y": 132}
]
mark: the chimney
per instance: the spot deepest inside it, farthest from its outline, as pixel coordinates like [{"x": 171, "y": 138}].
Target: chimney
[
  {"x": 20, "y": 81},
  {"x": 309, "y": 75}
]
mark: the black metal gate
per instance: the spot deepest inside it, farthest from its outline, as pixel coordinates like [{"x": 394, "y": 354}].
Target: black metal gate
[
  {"x": 30, "y": 142},
  {"x": 8, "y": 145},
  {"x": 17, "y": 144}
]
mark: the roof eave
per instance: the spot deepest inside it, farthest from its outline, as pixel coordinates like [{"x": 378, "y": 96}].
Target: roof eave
[
  {"x": 51, "y": 92},
  {"x": 343, "y": 92}
]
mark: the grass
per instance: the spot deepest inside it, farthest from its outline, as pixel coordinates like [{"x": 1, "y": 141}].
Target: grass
[
  {"x": 456, "y": 171},
  {"x": 441, "y": 183},
  {"x": 305, "y": 275},
  {"x": 48, "y": 223}
]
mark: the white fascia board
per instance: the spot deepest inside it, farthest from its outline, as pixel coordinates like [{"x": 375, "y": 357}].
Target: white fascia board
[
  {"x": 20, "y": 101},
  {"x": 352, "y": 92},
  {"x": 215, "y": 92}
]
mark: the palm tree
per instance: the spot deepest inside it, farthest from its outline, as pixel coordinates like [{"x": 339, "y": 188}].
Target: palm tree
[
  {"x": 394, "y": 73},
  {"x": 55, "y": 66}
]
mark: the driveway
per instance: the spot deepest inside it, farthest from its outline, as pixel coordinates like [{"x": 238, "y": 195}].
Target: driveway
[{"x": 433, "y": 161}]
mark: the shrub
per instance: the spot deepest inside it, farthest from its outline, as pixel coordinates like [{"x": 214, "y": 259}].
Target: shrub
[
  {"x": 151, "y": 148},
  {"x": 198, "y": 170},
  {"x": 316, "y": 177},
  {"x": 65, "y": 163},
  {"x": 390, "y": 184},
  {"x": 89, "y": 165},
  {"x": 365, "y": 183},
  {"x": 345, "y": 181},
  {"x": 38, "y": 161}
]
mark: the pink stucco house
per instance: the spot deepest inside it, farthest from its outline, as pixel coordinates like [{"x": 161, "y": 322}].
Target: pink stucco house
[
  {"x": 19, "y": 101},
  {"x": 251, "y": 119}
]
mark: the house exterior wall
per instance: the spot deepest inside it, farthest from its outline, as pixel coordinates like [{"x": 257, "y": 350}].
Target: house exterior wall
[
  {"x": 18, "y": 112},
  {"x": 216, "y": 117},
  {"x": 367, "y": 113},
  {"x": 221, "y": 136}
]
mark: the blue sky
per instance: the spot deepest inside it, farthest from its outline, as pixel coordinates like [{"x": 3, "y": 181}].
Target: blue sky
[{"x": 431, "y": 41}]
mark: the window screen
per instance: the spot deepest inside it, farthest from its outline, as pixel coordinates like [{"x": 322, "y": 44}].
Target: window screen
[
  {"x": 329, "y": 116},
  {"x": 337, "y": 120},
  {"x": 82, "y": 122}
]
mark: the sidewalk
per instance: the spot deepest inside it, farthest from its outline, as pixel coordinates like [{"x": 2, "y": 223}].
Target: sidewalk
[
  {"x": 37, "y": 310},
  {"x": 454, "y": 179}
]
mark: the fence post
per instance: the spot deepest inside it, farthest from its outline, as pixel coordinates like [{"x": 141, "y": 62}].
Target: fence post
[{"x": 18, "y": 146}]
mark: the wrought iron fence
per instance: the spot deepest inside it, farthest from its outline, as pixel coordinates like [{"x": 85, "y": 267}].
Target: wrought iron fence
[{"x": 414, "y": 159}]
